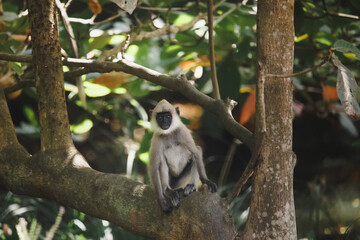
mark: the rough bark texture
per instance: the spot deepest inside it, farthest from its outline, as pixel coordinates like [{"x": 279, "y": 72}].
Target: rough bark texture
[
  {"x": 59, "y": 172},
  {"x": 272, "y": 212},
  {"x": 55, "y": 129}
]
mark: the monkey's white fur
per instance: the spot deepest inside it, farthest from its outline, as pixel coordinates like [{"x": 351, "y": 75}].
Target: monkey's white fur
[{"x": 170, "y": 153}]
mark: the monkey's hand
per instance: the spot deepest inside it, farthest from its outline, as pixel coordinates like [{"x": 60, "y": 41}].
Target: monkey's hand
[
  {"x": 173, "y": 196},
  {"x": 211, "y": 186},
  {"x": 189, "y": 189}
]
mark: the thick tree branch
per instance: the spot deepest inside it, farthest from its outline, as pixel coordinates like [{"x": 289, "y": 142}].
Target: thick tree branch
[
  {"x": 220, "y": 108},
  {"x": 49, "y": 80},
  {"x": 112, "y": 197},
  {"x": 7, "y": 131}
]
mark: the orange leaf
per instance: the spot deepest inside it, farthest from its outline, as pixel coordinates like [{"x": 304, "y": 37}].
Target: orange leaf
[
  {"x": 95, "y": 7},
  {"x": 187, "y": 65},
  {"x": 329, "y": 93},
  {"x": 2, "y": 26},
  {"x": 202, "y": 61},
  {"x": 7, "y": 82},
  {"x": 249, "y": 107},
  {"x": 112, "y": 80},
  {"x": 192, "y": 112},
  {"x": 19, "y": 37}
]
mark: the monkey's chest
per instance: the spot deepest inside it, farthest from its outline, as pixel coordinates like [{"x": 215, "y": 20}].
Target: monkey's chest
[{"x": 177, "y": 157}]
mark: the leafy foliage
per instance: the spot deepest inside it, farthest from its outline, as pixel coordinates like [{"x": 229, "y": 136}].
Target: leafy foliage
[{"x": 116, "y": 119}]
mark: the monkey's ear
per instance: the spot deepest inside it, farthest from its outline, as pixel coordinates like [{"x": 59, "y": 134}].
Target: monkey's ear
[{"x": 177, "y": 110}]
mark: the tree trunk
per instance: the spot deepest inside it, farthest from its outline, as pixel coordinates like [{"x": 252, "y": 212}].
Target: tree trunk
[
  {"x": 49, "y": 76},
  {"x": 272, "y": 211}
]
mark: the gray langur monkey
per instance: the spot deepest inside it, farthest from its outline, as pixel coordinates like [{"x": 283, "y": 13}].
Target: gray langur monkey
[{"x": 176, "y": 163}]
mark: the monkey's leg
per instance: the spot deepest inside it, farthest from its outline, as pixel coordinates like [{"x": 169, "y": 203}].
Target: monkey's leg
[{"x": 166, "y": 206}]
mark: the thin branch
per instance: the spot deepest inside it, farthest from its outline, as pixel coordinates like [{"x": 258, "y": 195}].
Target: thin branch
[
  {"x": 163, "y": 9},
  {"x": 325, "y": 60},
  {"x": 259, "y": 137},
  {"x": 68, "y": 4},
  {"x": 228, "y": 161},
  {"x": 74, "y": 46},
  {"x": 214, "y": 80},
  {"x": 228, "y": 12},
  {"x": 20, "y": 85},
  {"x": 68, "y": 28},
  {"x": 91, "y": 20},
  {"x": 158, "y": 32},
  {"x": 220, "y": 108},
  {"x": 15, "y": 58},
  {"x": 328, "y": 13}
]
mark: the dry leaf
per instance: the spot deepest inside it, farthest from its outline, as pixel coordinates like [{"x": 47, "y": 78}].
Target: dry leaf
[
  {"x": 249, "y": 108},
  {"x": 112, "y": 80},
  {"x": 127, "y": 5},
  {"x": 347, "y": 89},
  {"x": 95, "y": 7}
]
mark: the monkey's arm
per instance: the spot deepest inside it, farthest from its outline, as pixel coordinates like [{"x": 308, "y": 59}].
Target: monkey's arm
[
  {"x": 154, "y": 172},
  {"x": 201, "y": 169},
  {"x": 196, "y": 152}
]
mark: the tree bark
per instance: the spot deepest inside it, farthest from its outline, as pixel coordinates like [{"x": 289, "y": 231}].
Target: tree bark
[
  {"x": 49, "y": 77},
  {"x": 272, "y": 212}
]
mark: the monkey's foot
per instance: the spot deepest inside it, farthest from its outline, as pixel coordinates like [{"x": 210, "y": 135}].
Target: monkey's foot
[
  {"x": 189, "y": 189},
  {"x": 165, "y": 206},
  {"x": 173, "y": 196},
  {"x": 211, "y": 186}
]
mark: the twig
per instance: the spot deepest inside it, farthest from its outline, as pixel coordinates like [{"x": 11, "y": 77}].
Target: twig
[
  {"x": 126, "y": 45},
  {"x": 68, "y": 27},
  {"x": 328, "y": 13},
  {"x": 73, "y": 44},
  {"x": 50, "y": 234},
  {"x": 325, "y": 60},
  {"x": 158, "y": 32},
  {"x": 214, "y": 80},
  {"x": 228, "y": 161},
  {"x": 163, "y": 9},
  {"x": 233, "y": 8},
  {"x": 91, "y": 20},
  {"x": 68, "y": 4}
]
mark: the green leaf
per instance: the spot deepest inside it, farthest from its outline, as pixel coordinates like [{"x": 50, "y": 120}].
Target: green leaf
[
  {"x": 145, "y": 146},
  {"x": 347, "y": 89},
  {"x": 183, "y": 19},
  {"x": 345, "y": 47},
  {"x": 95, "y": 90},
  {"x": 31, "y": 116},
  {"x": 82, "y": 127},
  {"x": 16, "y": 67},
  {"x": 119, "y": 90}
]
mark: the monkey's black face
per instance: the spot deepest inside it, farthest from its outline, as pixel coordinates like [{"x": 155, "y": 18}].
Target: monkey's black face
[{"x": 164, "y": 119}]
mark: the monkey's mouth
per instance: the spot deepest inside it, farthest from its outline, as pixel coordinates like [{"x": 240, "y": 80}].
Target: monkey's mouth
[{"x": 165, "y": 127}]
